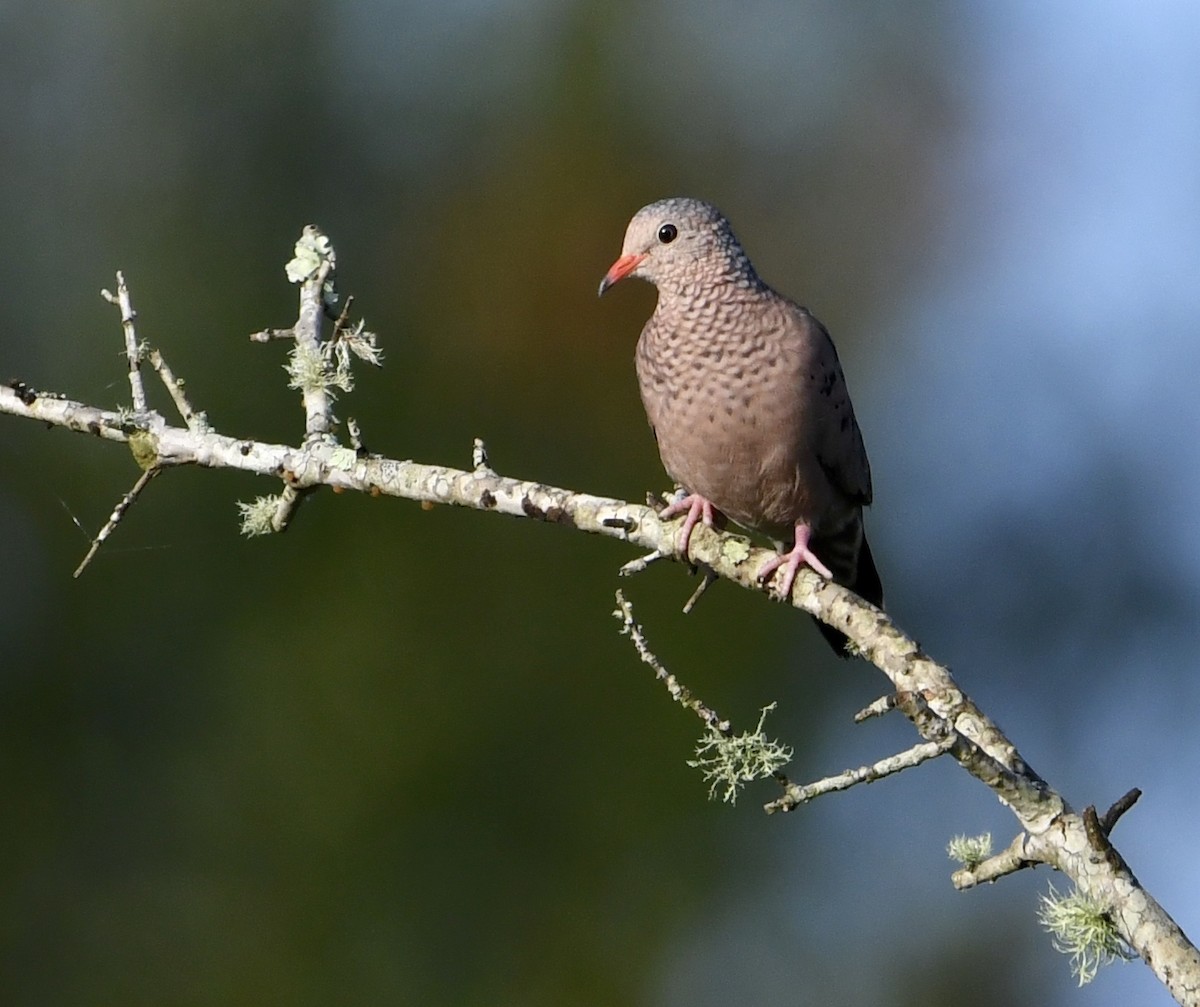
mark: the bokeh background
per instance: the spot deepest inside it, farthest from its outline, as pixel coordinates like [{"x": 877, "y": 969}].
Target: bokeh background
[{"x": 403, "y": 757}]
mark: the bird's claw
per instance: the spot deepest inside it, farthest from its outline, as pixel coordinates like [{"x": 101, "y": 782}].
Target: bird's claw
[
  {"x": 698, "y": 509},
  {"x": 792, "y": 561}
]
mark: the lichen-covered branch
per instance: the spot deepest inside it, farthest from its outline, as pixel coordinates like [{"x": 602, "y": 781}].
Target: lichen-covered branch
[
  {"x": 1052, "y": 832},
  {"x": 797, "y": 794}
]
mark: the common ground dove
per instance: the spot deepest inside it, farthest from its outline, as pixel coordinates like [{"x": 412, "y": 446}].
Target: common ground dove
[{"x": 745, "y": 395}]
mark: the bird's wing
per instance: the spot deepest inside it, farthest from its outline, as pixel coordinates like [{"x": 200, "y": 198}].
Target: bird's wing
[{"x": 839, "y": 442}]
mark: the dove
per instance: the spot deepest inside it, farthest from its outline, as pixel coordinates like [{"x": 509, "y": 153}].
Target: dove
[{"x": 746, "y": 398}]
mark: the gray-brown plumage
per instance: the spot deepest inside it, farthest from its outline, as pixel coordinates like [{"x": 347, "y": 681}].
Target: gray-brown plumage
[{"x": 745, "y": 395}]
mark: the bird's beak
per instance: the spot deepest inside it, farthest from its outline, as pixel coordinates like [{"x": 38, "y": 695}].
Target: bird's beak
[{"x": 620, "y": 269}]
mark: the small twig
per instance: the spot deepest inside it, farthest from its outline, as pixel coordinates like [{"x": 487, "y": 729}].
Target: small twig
[
  {"x": 1008, "y": 861},
  {"x": 884, "y": 704},
  {"x": 679, "y": 692},
  {"x": 709, "y": 578},
  {"x": 796, "y": 794},
  {"x": 354, "y": 433},
  {"x": 479, "y": 457},
  {"x": 285, "y": 506},
  {"x": 342, "y": 317},
  {"x": 114, "y": 518},
  {"x": 133, "y": 352},
  {"x": 267, "y": 335},
  {"x": 1110, "y": 818},
  {"x": 309, "y": 369},
  {"x": 1097, "y": 838},
  {"x": 308, "y": 364},
  {"x": 175, "y": 388},
  {"x": 317, "y": 404},
  {"x": 641, "y": 562}
]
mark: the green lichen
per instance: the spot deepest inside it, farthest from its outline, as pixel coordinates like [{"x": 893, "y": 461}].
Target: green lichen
[
  {"x": 1081, "y": 927},
  {"x": 729, "y": 762}
]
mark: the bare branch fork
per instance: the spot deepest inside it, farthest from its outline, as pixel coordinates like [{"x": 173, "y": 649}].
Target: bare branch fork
[{"x": 948, "y": 722}]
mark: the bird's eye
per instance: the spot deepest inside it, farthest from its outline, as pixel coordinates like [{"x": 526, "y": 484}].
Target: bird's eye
[{"x": 667, "y": 233}]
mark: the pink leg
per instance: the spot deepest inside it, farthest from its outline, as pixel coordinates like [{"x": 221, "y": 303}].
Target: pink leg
[
  {"x": 698, "y": 509},
  {"x": 792, "y": 561}
]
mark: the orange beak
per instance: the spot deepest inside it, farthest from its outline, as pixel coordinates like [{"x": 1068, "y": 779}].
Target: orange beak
[{"x": 620, "y": 269}]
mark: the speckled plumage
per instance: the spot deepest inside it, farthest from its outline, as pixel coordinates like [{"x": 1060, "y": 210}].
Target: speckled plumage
[{"x": 746, "y": 397}]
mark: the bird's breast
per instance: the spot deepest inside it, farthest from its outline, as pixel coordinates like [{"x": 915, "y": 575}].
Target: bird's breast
[{"x": 732, "y": 422}]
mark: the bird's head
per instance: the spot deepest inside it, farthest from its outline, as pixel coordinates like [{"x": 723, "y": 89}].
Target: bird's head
[{"x": 676, "y": 242}]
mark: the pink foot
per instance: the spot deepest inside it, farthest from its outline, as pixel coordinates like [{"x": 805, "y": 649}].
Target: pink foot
[
  {"x": 792, "y": 561},
  {"x": 698, "y": 509}
]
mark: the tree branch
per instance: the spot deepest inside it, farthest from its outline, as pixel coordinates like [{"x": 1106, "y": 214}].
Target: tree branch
[
  {"x": 795, "y": 794},
  {"x": 944, "y": 716}
]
